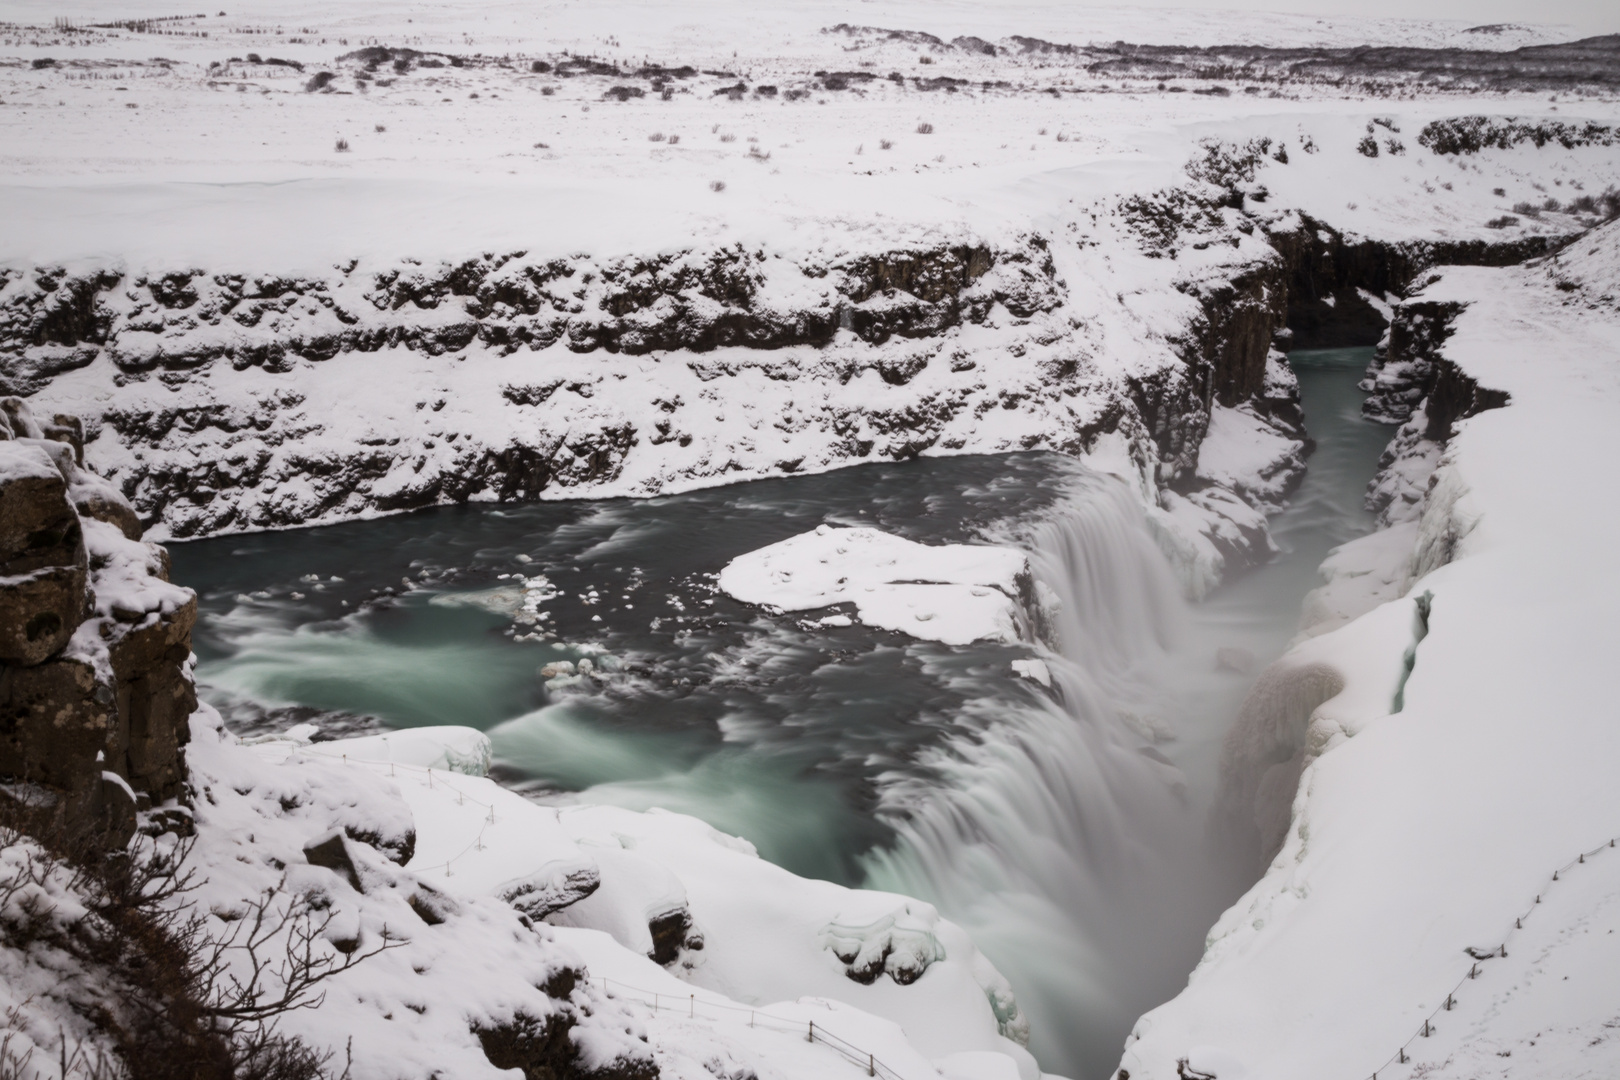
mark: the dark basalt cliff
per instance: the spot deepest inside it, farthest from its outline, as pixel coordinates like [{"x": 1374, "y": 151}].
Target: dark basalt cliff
[{"x": 95, "y": 643}]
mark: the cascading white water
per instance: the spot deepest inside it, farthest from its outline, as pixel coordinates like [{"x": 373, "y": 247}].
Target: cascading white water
[
  {"x": 1054, "y": 830},
  {"x": 1060, "y": 833}
]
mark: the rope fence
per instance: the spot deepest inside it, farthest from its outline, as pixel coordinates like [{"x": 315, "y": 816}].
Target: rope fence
[
  {"x": 1401, "y": 1056},
  {"x": 420, "y": 772},
  {"x": 691, "y": 1005}
]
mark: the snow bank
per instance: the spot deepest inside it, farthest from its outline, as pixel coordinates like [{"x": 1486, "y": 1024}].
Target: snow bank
[
  {"x": 669, "y": 888},
  {"x": 756, "y": 954},
  {"x": 445, "y": 747},
  {"x": 1246, "y": 453},
  {"x": 953, "y": 593}
]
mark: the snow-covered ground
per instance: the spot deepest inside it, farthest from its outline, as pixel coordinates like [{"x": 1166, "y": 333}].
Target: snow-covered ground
[
  {"x": 1435, "y": 807},
  {"x": 659, "y": 905}
]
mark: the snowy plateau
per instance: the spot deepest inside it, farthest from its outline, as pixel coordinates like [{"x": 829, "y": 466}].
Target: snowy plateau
[{"x": 300, "y": 264}]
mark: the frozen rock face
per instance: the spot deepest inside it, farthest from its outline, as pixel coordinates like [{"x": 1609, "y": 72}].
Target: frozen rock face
[
  {"x": 221, "y": 402},
  {"x": 42, "y": 556},
  {"x": 95, "y": 643}
]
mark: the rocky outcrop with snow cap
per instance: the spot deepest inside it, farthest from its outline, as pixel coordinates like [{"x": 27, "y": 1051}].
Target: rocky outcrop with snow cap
[{"x": 95, "y": 645}]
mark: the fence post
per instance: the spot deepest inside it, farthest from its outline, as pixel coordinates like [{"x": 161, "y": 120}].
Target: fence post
[
  {"x": 1425, "y": 1029},
  {"x": 691, "y": 1009},
  {"x": 1504, "y": 951},
  {"x": 871, "y": 1065},
  {"x": 655, "y": 1003},
  {"x": 1402, "y": 1055},
  {"x": 812, "y": 1036}
]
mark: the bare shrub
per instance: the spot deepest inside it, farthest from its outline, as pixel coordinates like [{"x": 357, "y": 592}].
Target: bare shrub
[
  {"x": 343, "y": 146},
  {"x": 379, "y": 128},
  {"x": 674, "y": 139},
  {"x": 925, "y": 128},
  {"x": 173, "y": 1002},
  {"x": 717, "y": 185},
  {"x": 657, "y": 136},
  {"x": 728, "y": 137},
  {"x": 885, "y": 144}
]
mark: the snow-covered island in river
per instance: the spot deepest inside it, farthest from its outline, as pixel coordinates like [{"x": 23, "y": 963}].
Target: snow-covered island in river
[{"x": 715, "y": 541}]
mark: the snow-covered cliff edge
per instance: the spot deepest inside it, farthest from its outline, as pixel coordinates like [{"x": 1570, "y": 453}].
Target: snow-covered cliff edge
[{"x": 1456, "y": 751}]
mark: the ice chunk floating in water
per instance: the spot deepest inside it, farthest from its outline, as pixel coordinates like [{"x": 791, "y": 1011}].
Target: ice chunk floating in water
[{"x": 952, "y": 593}]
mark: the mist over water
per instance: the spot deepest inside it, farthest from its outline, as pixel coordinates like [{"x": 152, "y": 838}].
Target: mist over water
[{"x": 1064, "y": 828}]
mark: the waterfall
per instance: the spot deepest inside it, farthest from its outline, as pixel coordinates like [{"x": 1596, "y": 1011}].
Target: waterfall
[{"x": 1053, "y": 829}]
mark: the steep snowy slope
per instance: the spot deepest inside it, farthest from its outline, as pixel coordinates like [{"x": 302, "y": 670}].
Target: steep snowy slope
[{"x": 1435, "y": 807}]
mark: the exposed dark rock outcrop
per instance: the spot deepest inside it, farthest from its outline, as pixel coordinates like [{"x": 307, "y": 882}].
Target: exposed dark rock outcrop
[
  {"x": 1591, "y": 61},
  {"x": 544, "y": 1049},
  {"x": 1328, "y": 273},
  {"x": 53, "y": 321},
  {"x": 1410, "y": 372},
  {"x": 95, "y": 691}
]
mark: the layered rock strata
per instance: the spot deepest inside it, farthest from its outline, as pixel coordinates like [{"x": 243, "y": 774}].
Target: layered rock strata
[{"x": 95, "y": 643}]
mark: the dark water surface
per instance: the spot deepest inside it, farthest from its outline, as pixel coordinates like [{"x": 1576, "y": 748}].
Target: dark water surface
[{"x": 1062, "y": 827}]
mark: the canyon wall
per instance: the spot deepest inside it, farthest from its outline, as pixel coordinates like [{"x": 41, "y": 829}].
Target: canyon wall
[{"x": 95, "y": 643}]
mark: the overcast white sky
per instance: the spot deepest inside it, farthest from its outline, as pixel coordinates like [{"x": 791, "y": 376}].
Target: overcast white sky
[{"x": 1593, "y": 16}]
